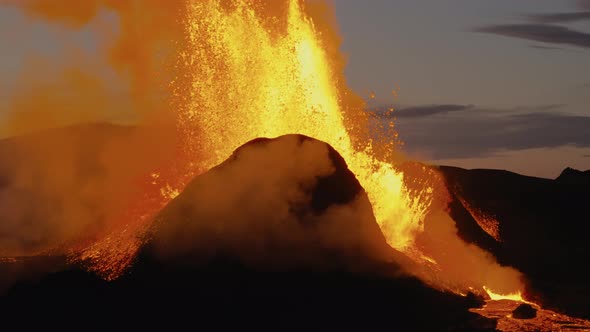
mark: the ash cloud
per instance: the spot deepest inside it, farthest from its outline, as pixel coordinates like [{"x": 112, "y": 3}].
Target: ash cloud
[
  {"x": 462, "y": 263},
  {"x": 250, "y": 211},
  {"x": 64, "y": 186},
  {"x": 58, "y": 186},
  {"x": 125, "y": 75}
]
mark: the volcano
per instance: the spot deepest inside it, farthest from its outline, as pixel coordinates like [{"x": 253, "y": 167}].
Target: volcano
[
  {"x": 254, "y": 188},
  {"x": 292, "y": 244},
  {"x": 283, "y": 234}
]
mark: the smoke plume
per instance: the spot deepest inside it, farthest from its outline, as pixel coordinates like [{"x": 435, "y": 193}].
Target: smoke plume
[{"x": 59, "y": 186}]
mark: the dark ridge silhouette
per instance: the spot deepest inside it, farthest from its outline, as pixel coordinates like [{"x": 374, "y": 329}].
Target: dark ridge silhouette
[
  {"x": 28, "y": 268},
  {"x": 543, "y": 229},
  {"x": 192, "y": 273},
  {"x": 574, "y": 176},
  {"x": 224, "y": 294}
]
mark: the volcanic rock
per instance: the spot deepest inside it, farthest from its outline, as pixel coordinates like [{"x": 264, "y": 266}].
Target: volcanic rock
[
  {"x": 574, "y": 176},
  {"x": 524, "y": 311},
  {"x": 329, "y": 224},
  {"x": 210, "y": 260},
  {"x": 475, "y": 301},
  {"x": 281, "y": 202},
  {"x": 542, "y": 229},
  {"x": 535, "y": 225}
]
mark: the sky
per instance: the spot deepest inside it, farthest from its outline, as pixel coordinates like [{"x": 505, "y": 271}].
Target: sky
[{"x": 475, "y": 83}]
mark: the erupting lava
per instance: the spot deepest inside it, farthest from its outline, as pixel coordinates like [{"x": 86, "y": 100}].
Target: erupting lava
[
  {"x": 264, "y": 69},
  {"x": 497, "y": 297},
  {"x": 257, "y": 76}
]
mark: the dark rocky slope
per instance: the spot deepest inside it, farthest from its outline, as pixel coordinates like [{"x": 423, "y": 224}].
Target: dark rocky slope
[
  {"x": 543, "y": 228},
  {"x": 292, "y": 245}
]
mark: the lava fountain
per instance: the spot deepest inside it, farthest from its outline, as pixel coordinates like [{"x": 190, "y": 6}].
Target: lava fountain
[
  {"x": 250, "y": 69},
  {"x": 256, "y": 69},
  {"x": 256, "y": 76}
]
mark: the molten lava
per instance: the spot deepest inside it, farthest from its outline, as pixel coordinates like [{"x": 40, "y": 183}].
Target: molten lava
[
  {"x": 252, "y": 68},
  {"x": 488, "y": 223},
  {"x": 249, "y": 81},
  {"x": 517, "y": 296}
]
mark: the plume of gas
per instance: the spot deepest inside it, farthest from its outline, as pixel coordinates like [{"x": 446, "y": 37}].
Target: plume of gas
[
  {"x": 134, "y": 56},
  {"x": 130, "y": 66},
  {"x": 292, "y": 85},
  {"x": 461, "y": 266},
  {"x": 63, "y": 189},
  {"x": 448, "y": 261}
]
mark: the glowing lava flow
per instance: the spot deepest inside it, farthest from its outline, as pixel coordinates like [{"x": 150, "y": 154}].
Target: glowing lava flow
[
  {"x": 517, "y": 296},
  {"x": 264, "y": 69},
  {"x": 253, "y": 68},
  {"x": 496, "y": 297},
  {"x": 256, "y": 76}
]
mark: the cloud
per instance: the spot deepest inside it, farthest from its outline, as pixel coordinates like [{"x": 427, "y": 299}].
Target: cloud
[
  {"x": 540, "y": 47},
  {"x": 559, "y": 17},
  {"x": 482, "y": 132},
  {"x": 540, "y": 32},
  {"x": 537, "y": 108},
  {"x": 428, "y": 110},
  {"x": 584, "y": 4}
]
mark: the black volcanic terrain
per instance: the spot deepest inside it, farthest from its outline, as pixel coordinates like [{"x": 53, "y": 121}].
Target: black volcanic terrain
[
  {"x": 543, "y": 228},
  {"x": 279, "y": 236},
  {"x": 292, "y": 245}
]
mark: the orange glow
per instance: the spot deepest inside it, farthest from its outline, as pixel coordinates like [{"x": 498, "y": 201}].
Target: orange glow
[
  {"x": 517, "y": 296},
  {"x": 246, "y": 73},
  {"x": 487, "y": 222},
  {"x": 249, "y": 81},
  {"x": 251, "y": 68},
  {"x": 254, "y": 69}
]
